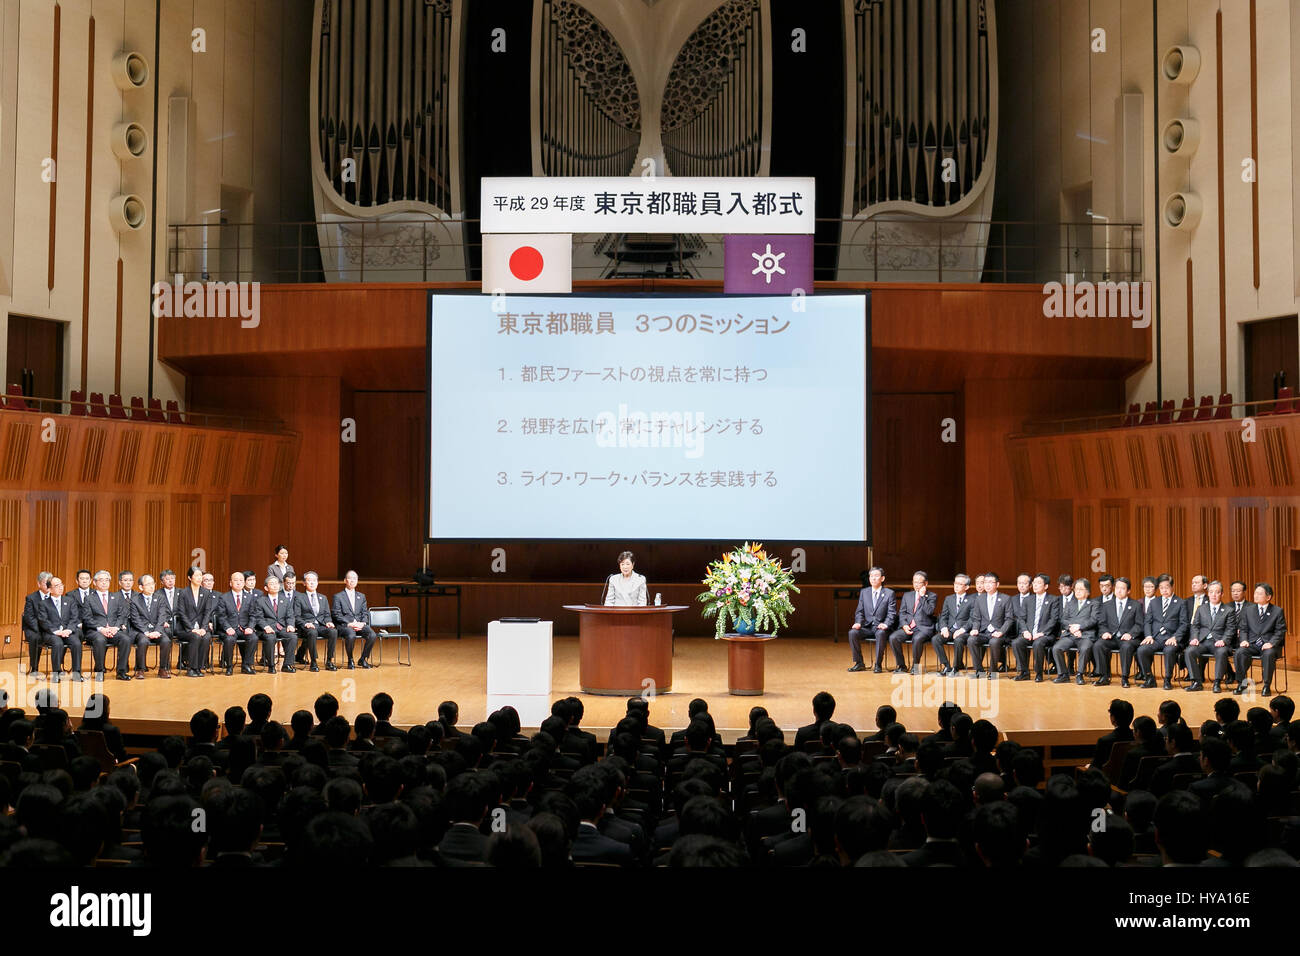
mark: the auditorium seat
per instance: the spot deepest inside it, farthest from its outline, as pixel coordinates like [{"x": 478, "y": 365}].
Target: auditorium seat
[
  {"x": 1285, "y": 403},
  {"x": 115, "y": 409},
  {"x": 138, "y": 414},
  {"x": 1205, "y": 412},
  {"x": 77, "y": 402},
  {"x": 98, "y": 409},
  {"x": 156, "y": 410},
  {"x": 1188, "y": 412},
  {"x": 1166, "y": 415},
  {"x": 17, "y": 402},
  {"x": 1149, "y": 414},
  {"x": 1134, "y": 414},
  {"x": 174, "y": 413},
  {"x": 1225, "y": 406}
]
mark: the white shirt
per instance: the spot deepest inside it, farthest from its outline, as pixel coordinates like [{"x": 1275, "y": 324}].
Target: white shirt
[{"x": 627, "y": 591}]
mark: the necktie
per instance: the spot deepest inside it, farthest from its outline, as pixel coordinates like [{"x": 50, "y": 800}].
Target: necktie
[
  {"x": 352, "y": 600},
  {"x": 238, "y": 601},
  {"x": 313, "y": 602},
  {"x": 1213, "y": 608},
  {"x": 1120, "y": 605},
  {"x": 1165, "y": 606},
  {"x": 1261, "y": 612},
  {"x": 273, "y": 604},
  {"x": 147, "y": 603},
  {"x": 103, "y": 599}
]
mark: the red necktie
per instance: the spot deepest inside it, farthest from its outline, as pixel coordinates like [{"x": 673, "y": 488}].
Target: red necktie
[
  {"x": 237, "y": 600},
  {"x": 103, "y": 599},
  {"x": 273, "y": 605}
]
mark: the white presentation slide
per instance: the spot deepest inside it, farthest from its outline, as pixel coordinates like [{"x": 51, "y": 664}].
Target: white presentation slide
[{"x": 717, "y": 418}]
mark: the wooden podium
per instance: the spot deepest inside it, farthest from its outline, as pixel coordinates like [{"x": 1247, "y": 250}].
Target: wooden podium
[{"x": 619, "y": 647}]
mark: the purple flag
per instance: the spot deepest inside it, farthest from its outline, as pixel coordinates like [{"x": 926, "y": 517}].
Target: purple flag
[{"x": 768, "y": 265}]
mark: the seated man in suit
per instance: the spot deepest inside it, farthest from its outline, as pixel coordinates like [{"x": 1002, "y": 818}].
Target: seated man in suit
[
  {"x": 60, "y": 623},
  {"x": 1166, "y": 627},
  {"x": 591, "y": 845},
  {"x": 1121, "y": 719},
  {"x": 993, "y": 624},
  {"x": 1119, "y": 627},
  {"x": 148, "y": 615},
  {"x": 1078, "y": 631},
  {"x": 1181, "y": 747},
  {"x": 915, "y": 623},
  {"x": 235, "y": 626},
  {"x": 465, "y": 804},
  {"x": 954, "y": 624},
  {"x": 1038, "y": 629},
  {"x": 1021, "y": 598},
  {"x": 1262, "y": 634},
  {"x": 273, "y": 619},
  {"x": 1216, "y": 756},
  {"x": 1213, "y": 627},
  {"x": 311, "y": 613},
  {"x": 106, "y": 621},
  {"x": 823, "y": 707},
  {"x": 352, "y": 615},
  {"x": 32, "y": 621},
  {"x": 875, "y": 618}
]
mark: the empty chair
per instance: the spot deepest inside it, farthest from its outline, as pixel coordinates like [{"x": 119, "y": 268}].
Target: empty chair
[
  {"x": 1205, "y": 411},
  {"x": 18, "y": 403},
  {"x": 1166, "y": 412},
  {"x": 1285, "y": 403},
  {"x": 98, "y": 408},
  {"x": 115, "y": 409},
  {"x": 77, "y": 402},
  {"x": 1188, "y": 412},
  {"x": 1149, "y": 414},
  {"x": 1134, "y": 414},
  {"x": 138, "y": 413},
  {"x": 174, "y": 413},
  {"x": 1225, "y": 406},
  {"x": 156, "y": 410}
]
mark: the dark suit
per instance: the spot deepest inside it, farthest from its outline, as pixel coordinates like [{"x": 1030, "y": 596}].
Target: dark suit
[
  {"x": 275, "y": 614},
  {"x": 1041, "y": 623},
  {"x": 58, "y": 614},
  {"x": 919, "y": 616},
  {"x": 956, "y": 618},
  {"x": 592, "y": 846},
  {"x": 1210, "y": 624},
  {"x": 322, "y": 624},
  {"x": 1105, "y": 743},
  {"x": 32, "y": 626},
  {"x": 1256, "y": 630},
  {"x": 936, "y": 853},
  {"x": 192, "y": 616},
  {"x": 117, "y": 615},
  {"x": 1209, "y": 787},
  {"x": 877, "y": 616},
  {"x": 1163, "y": 624},
  {"x": 1080, "y": 614},
  {"x": 462, "y": 844},
  {"x": 347, "y": 611},
  {"x": 239, "y": 619},
  {"x": 146, "y": 617},
  {"x": 1115, "y": 624},
  {"x": 1162, "y": 781},
  {"x": 983, "y": 627}
]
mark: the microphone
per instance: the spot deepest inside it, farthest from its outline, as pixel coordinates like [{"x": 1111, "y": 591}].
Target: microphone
[{"x": 605, "y": 589}]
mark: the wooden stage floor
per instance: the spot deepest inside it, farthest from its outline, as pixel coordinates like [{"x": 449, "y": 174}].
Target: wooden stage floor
[{"x": 796, "y": 670}]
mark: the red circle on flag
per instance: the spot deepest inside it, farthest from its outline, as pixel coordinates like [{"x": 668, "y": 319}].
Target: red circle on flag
[{"x": 526, "y": 263}]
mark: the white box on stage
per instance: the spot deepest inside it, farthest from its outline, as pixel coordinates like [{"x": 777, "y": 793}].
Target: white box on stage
[{"x": 519, "y": 669}]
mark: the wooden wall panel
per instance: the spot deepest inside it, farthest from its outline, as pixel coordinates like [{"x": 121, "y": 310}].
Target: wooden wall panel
[{"x": 1196, "y": 498}]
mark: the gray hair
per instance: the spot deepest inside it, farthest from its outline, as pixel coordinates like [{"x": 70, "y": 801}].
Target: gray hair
[
  {"x": 963, "y": 578},
  {"x": 43, "y": 577}
]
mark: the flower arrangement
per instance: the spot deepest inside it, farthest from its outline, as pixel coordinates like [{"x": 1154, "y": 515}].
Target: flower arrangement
[{"x": 748, "y": 588}]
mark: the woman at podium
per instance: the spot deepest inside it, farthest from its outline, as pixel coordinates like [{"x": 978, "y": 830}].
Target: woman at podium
[{"x": 627, "y": 588}]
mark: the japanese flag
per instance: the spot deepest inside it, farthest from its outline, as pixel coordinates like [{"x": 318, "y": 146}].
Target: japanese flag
[{"x": 527, "y": 263}]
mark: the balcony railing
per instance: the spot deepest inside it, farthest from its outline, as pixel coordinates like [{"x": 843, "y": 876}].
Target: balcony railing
[{"x": 884, "y": 249}]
